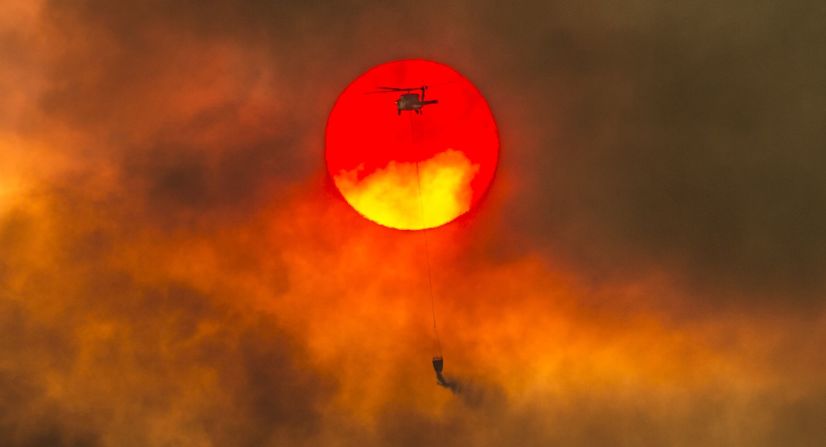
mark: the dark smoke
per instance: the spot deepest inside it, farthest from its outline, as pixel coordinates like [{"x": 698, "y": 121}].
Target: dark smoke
[{"x": 451, "y": 384}]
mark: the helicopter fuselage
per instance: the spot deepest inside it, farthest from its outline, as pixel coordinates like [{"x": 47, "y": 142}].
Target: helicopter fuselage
[
  {"x": 411, "y": 102},
  {"x": 408, "y": 101}
]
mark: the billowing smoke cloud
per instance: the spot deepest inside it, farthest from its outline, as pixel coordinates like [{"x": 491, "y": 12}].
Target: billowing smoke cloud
[
  {"x": 177, "y": 269},
  {"x": 412, "y": 195}
]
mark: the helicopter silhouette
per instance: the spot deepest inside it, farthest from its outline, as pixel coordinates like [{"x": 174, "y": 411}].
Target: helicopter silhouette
[{"x": 408, "y": 101}]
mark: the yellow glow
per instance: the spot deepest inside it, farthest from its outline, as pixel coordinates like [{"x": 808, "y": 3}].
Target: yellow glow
[{"x": 397, "y": 197}]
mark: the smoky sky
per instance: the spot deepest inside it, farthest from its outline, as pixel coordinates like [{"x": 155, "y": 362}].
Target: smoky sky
[
  {"x": 685, "y": 136},
  {"x": 176, "y": 268},
  {"x": 680, "y": 136}
]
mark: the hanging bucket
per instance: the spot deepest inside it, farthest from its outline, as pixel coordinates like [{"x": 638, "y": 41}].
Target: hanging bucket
[{"x": 438, "y": 364}]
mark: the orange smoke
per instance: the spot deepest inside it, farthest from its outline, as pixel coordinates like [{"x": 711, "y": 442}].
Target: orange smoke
[{"x": 410, "y": 197}]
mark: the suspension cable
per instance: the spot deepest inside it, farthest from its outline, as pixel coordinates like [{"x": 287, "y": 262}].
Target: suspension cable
[{"x": 426, "y": 247}]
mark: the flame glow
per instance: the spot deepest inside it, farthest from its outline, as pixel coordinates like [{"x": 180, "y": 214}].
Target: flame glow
[{"x": 410, "y": 197}]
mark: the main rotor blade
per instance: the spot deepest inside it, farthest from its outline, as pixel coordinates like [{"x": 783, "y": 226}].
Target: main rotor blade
[
  {"x": 379, "y": 91},
  {"x": 395, "y": 89},
  {"x": 403, "y": 89},
  {"x": 386, "y": 89}
]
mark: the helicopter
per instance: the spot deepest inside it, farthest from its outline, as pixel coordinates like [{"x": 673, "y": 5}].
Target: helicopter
[{"x": 408, "y": 101}]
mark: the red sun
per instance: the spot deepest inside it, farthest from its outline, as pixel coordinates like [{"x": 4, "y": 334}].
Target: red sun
[{"x": 409, "y": 170}]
